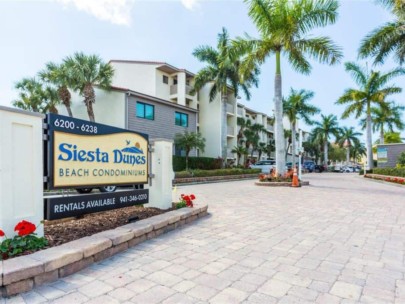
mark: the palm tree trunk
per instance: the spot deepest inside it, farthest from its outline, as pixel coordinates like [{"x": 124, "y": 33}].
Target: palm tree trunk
[
  {"x": 382, "y": 135},
  {"x": 65, "y": 96},
  {"x": 293, "y": 143},
  {"x": 278, "y": 115},
  {"x": 224, "y": 99},
  {"x": 369, "y": 139},
  {"x": 89, "y": 99},
  {"x": 347, "y": 155},
  {"x": 325, "y": 153}
]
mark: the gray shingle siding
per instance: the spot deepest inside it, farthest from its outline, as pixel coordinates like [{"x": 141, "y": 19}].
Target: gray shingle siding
[
  {"x": 163, "y": 125},
  {"x": 393, "y": 152}
]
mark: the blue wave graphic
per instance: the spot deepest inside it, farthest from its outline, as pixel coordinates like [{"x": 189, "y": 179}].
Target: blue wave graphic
[{"x": 134, "y": 150}]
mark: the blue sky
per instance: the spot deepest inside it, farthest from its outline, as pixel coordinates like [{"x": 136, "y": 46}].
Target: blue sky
[{"x": 35, "y": 32}]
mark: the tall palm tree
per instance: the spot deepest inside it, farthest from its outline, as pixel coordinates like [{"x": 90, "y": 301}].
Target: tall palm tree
[
  {"x": 243, "y": 124},
  {"x": 223, "y": 73},
  {"x": 327, "y": 127},
  {"x": 357, "y": 151},
  {"x": 388, "y": 38},
  {"x": 387, "y": 115},
  {"x": 296, "y": 107},
  {"x": 373, "y": 89},
  {"x": 284, "y": 27},
  {"x": 59, "y": 76},
  {"x": 86, "y": 71},
  {"x": 347, "y": 138}
]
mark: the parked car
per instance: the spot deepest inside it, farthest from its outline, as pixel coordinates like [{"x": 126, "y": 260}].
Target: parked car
[
  {"x": 309, "y": 166},
  {"x": 289, "y": 165},
  {"x": 264, "y": 165},
  {"x": 319, "y": 168},
  {"x": 102, "y": 189},
  {"x": 347, "y": 169}
]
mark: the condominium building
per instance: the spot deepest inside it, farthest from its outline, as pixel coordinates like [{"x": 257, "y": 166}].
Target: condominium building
[{"x": 157, "y": 98}]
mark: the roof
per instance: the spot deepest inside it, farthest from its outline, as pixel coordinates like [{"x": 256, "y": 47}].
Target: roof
[
  {"x": 163, "y": 101},
  {"x": 163, "y": 66}
]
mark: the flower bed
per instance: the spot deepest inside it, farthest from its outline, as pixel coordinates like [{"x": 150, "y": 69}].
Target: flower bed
[
  {"x": 23, "y": 273},
  {"x": 273, "y": 180},
  {"x": 391, "y": 179}
]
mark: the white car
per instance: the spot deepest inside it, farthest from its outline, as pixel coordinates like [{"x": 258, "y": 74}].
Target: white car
[{"x": 265, "y": 165}]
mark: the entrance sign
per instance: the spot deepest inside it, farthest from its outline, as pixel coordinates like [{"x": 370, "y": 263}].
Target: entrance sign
[
  {"x": 70, "y": 206},
  {"x": 86, "y": 154}
]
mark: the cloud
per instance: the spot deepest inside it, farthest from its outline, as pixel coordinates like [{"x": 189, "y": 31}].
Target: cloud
[
  {"x": 114, "y": 11},
  {"x": 190, "y": 4}
]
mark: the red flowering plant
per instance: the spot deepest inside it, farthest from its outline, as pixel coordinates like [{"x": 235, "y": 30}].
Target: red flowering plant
[
  {"x": 26, "y": 241},
  {"x": 185, "y": 201}
]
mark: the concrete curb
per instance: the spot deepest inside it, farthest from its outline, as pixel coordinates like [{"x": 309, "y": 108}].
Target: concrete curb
[
  {"x": 23, "y": 273},
  {"x": 213, "y": 179},
  {"x": 279, "y": 184}
]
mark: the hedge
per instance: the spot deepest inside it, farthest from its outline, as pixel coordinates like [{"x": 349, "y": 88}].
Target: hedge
[
  {"x": 400, "y": 172},
  {"x": 202, "y": 163},
  {"x": 219, "y": 172}
]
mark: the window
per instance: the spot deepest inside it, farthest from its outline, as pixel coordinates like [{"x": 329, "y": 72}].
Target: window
[
  {"x": 165, "y": 79},
  {"x": 144, "y": 110},
  {"x": 181, "y": 119}
]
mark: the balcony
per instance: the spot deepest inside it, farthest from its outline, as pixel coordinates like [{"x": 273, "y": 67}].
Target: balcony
[
  {"x": 270, "y": 128},
  {"x": 174, "y": 89},
  {"x": 230, "y": 108},
  {"x": 240, "y": 112},
  {"x": 230, "y": 131}
]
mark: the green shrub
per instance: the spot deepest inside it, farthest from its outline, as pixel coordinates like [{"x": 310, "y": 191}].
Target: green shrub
[
  {"x": 202, "y": 163},
  {"x": 367, "y": 171},
  {"x": 390, "y": 171},
  {"x": 218, "y": 172},
  {"x": 401, "y": 160}
]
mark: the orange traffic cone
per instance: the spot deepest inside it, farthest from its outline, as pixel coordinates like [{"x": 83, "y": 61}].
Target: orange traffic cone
[{"x": 295, "y": 181}]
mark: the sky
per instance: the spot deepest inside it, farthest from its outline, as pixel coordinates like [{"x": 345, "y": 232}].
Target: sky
[{"x": 36, "y": 32}]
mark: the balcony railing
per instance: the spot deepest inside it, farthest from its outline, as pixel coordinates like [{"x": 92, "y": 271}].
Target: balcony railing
[
  {"x": 270, "y": 128},
  {"x": 230, "y": 108},
  {"x": 231, "y": 131},
  {"x": 174, "y": 89}
]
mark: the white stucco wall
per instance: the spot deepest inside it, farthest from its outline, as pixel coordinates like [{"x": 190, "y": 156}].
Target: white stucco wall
[
  {"x": 136, "y": 77},
  {"x": 109, "y": 108},
  {"x": 162, "y": 89}
]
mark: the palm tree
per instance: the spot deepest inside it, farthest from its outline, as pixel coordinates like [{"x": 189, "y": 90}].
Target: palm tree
[
  {"x": 386, "y": 115},
  {"x": 388, "y": 38},
  {"x": 256, "y": 130},
  {"x": 189, "y": 141},
  {"x": 348, "y": 137},
  {"x": 59, "y": 76},
  {"x": 288, "y": 137},
  {"x": 261, "y": 148},
  {"x": 52, "y": 100},
  {"x": 284, "y": 27},
  {"x": 86, "y": 72},
  {"x": 324, "y": 130},
  {"x": 239, "y": 150},
  {"x": 357, "y": 151},
  {"x": 296, "y": 107},
  {"x": 222, "y": 72},
  {"x": 243, "y": 124},
  {"x": 372, "y": 89},
  {"x": 31, "y": 95}
]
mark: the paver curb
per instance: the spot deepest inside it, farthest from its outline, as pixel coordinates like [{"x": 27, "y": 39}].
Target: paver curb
[
  {"x": 23, "y": 273},
  {"x": 213, "y": 179},
  {"x": 279, "y": 184}
]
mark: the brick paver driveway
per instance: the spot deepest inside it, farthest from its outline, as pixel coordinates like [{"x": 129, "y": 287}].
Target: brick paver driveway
[{"x": 340, "y": 240}]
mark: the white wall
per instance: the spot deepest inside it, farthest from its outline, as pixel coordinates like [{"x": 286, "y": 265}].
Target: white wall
[
  {"x": 136, "y": 77},
  {"x": 109, "y": 108},
  {"x": 21, "y": 169},
  {"x": 162, "y": 90},
  {"x": 210, "y": 123}
]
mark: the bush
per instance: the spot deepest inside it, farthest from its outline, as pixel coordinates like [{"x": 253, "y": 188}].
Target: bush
[
  {"x": 401, "y": 160},
  {"x": 202, "y": 163},
  {"x": 367, "y": 172},
  {"x": 390, "y": 171},
  {"x": 219, "y": 172}
]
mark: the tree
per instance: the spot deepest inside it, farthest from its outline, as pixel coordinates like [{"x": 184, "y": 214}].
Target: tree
[
  {"x": 348, "y": 137},
  {"x": 386, "y": 115},
  {"x": 261, "y": 148},
  {"x": 239, "y": 150},
  {"x": 86, "y": 71},
  {"x": 373, "y": 89},
  {"x": 284, "y": 27},
  {"x": 357, "y": 151},
  {"x": 243, "y": 124},
  {"x": 256, "y": 130},
  {"x": 388, "y": 38},
  {"x": 59, "y": 76},
  {"x": 324, "y": 130},
  {"x": 296, "y": 107},
  {"x": 34, "y": 97},
  {"x": 392, "y": 138},
  {"x": 189, "y": 141},
  {"x": 223, "y": 73}
]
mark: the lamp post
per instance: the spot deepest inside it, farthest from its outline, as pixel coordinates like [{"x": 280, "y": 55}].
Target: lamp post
[{"x": 299, "y": 154}]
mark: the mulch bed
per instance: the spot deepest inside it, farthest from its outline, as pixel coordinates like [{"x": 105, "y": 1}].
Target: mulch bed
[{"x": 62, "y": 231}]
